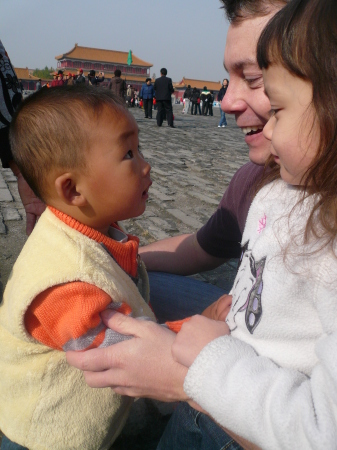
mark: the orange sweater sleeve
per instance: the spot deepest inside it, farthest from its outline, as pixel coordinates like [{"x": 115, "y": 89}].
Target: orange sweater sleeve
[{"x": 67, "y": 316}]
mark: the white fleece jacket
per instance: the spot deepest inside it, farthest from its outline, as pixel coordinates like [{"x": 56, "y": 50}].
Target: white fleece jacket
[{"x": 273, "y": 381}]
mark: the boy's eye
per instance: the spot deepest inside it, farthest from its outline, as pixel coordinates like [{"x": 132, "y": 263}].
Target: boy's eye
[{"x": 129, "y": 155}]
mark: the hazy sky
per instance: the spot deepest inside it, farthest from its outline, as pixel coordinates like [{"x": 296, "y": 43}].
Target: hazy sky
[{"x": 187, "y": 37}]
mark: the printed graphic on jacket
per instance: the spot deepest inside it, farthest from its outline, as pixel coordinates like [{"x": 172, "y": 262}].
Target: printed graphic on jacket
[{"x": 248, "y": 291}]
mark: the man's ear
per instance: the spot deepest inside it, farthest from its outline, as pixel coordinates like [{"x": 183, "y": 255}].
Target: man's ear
[{"x": 67, "y": 191}]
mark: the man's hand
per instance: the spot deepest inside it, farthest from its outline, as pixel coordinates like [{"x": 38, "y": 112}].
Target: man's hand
[
  {"x": 219, "y": 310},
  {"x": 34, "y": 207},
  {"x": 194, "y": 336},
  {"x": 139, "y": 367}
]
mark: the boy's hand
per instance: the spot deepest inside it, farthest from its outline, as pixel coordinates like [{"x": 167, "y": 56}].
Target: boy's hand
[
  {"x": 194, "y": 336},
  {"x": 219, "y": 309}
]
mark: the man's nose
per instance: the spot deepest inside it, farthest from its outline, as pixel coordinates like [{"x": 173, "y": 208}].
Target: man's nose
[{"x": 233, "y": 101}]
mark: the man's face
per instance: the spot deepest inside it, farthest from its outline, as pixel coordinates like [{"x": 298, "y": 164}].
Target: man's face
[{"x": 245, "y": 97}]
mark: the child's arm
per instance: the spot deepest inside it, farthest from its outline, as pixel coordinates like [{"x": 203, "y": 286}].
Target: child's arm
[
  {"x": 67, "y": 317},
  {"x": 269, "y": 405},
  {"x": 194, "y": 336}
]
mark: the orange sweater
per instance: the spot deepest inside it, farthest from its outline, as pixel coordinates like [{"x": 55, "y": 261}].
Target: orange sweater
[{"x": 67, "y": 316}]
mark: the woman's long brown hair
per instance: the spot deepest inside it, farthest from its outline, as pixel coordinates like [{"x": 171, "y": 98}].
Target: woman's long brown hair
[{"x": 302, "y": 37}]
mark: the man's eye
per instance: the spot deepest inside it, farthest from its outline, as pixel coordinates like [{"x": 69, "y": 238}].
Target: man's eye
[
  {"x": 254, "y": 83},
  {"x": 129, "y": 155}
]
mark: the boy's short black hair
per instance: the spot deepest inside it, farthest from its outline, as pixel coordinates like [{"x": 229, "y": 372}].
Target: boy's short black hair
[{"x": 51, "y": 129}]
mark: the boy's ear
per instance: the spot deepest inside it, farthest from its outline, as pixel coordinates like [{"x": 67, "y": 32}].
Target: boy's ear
[{"x": 66, "y": 188}]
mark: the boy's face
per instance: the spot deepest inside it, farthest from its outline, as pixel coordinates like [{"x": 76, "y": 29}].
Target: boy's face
[{"x": 118, "y": 177}]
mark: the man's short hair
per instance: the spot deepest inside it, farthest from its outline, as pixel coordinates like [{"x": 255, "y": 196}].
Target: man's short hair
[
  {"x": 50, "y": 129},
  {"x": 117, "y": 73},
  {"x": 147, "y": 79},
  {"x": 163, "y": 71},
  {"x": 238, "y": 10}
]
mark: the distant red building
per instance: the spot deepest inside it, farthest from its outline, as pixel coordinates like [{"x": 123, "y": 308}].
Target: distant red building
[
  {"x": 106, "y": 61},
  {"x": 28, "y": 80}
]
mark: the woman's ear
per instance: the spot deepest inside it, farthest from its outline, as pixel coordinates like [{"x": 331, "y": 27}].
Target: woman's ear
[{"x": 67, "y": 191}]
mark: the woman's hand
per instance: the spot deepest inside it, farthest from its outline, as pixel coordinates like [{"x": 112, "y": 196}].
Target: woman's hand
[{"x": 194, "y": 336}]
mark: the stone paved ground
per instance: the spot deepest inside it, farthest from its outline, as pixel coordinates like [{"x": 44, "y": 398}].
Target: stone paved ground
[{"x": 191, "y": 168}]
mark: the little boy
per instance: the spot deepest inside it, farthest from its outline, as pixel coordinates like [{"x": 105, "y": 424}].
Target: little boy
[{"x": 78, "y": 149}]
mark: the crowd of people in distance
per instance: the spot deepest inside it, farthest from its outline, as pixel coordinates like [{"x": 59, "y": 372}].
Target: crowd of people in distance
[{"x": 200, "y": 101}]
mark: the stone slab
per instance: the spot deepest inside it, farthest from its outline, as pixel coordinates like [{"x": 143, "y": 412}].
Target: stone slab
[
  {"x": 10, "y": 214},
  {"x": 188, "y": 220},
  {"x": 5, "y": 195}
]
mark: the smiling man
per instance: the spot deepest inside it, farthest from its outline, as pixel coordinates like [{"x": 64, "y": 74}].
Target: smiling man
[{"x": 219, "y": 239}]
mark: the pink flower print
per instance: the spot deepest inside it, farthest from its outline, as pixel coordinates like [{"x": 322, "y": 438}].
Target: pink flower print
[{"x": 262, "y": 223}]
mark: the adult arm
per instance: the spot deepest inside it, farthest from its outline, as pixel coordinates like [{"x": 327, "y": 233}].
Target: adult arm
[
  {"x": 218, "y": 240},
  {"x": 182, "y": 255}
]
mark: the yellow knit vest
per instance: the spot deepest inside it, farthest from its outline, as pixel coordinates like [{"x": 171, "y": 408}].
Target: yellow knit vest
[{"x": 45, "y": 403}]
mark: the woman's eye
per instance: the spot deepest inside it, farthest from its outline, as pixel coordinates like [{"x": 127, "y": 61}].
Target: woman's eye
[{"x": 129, "y": 154}]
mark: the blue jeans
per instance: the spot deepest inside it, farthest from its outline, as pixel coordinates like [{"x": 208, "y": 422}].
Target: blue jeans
[
  {"x": 223, "y": 120},
  {"x": 6, "y": 444},
  {"x": 190, "y": 429},
  {"x": 174, "y": 297}
]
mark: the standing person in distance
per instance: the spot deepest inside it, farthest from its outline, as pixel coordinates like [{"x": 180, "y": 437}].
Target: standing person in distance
[
  {"x": 204, "y": 99},
  {"x": 221, "y": 94},
  {"x": 80, "y": 78},
  {"x": 164, "y": 89},
  {"x": 210, "y": 100},
  {"x": 195, "y": 97},
  {"x": 93, "y": 79},
  {"x": 117, "y": 84},
  {"x": 146, "y": 94},
  {"x": 187, "y": 98}
]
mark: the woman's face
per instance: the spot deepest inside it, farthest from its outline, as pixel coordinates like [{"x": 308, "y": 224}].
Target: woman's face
[{"x": 224, "y": 83}]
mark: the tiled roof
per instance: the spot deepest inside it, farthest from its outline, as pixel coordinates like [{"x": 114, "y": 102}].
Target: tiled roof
[
  {"x": 23, "y": 74},
  {"x": 101, "y": 55},
  {"x": 199, "y": 84}
]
